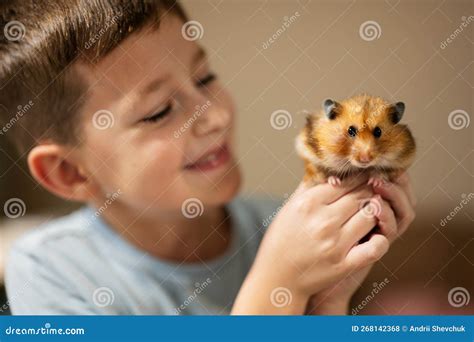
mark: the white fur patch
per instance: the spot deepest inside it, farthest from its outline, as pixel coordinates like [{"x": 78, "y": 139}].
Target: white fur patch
[{"x": 303, "y": 149}]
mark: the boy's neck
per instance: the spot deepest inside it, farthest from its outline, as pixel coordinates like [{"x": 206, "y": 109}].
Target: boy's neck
[{"x": 177, "y": 239}]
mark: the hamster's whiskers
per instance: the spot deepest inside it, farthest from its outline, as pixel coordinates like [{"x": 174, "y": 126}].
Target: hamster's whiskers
[{"x": 344, "y": 169}]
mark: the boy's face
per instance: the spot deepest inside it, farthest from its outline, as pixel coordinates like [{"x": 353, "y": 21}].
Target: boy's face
[{"x": 152, "y": 111}]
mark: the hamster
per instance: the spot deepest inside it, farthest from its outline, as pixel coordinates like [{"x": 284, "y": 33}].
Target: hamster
[{"x": 359, "y": 134}]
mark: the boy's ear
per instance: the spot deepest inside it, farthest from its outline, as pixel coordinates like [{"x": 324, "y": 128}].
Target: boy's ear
[{"x": 50, "y": 166}]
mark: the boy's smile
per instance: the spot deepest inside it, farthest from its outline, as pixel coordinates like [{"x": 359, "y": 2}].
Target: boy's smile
[{"x": 212, "y": 160}]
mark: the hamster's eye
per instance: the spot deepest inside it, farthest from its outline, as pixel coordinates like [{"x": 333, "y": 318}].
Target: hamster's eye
[
  {"x": 352, "y": 131},
  {"x": 377, "y": 132}
]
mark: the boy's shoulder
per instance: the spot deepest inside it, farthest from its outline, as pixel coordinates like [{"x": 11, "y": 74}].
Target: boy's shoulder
[
  {"x": 256, "y": 211},
  {"x": 251, "y": 211},
  {"x": 72, "y": 226},
  {"x": 260, "y": 205}
]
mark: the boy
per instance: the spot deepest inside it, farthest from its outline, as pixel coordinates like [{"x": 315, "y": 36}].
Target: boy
[{"x": 128, "y": 118}]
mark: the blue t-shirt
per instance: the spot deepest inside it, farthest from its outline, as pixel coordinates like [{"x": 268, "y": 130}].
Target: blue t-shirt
[{"x": 78, "y": 264}]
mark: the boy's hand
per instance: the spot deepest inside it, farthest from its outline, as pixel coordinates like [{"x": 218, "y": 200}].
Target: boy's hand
[
  {"x": 402, "y": 199},
  {"x": 311, "y": 243},
  {"x": 335, "y": 299}
]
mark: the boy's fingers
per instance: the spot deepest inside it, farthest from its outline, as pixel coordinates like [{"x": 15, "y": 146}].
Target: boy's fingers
[
  {"x": 327, "y": 193},
  {"x": 386, "y": 219},
  {"x": 346, "y": 206},
  {"x": 404, "y": 181},
  {"x": 360, "y": 224},
  {"x": 368, "y": 252},
  {"x": 400, "y": 203}
]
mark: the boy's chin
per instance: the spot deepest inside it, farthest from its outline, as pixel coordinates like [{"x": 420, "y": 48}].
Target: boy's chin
[{"x": 222, "y": 192}]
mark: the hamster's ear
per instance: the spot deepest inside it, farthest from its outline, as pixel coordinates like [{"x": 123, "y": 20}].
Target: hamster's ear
[
  {"x": 309, "y": 121},
  {"x": 396, "y": 112},
  {"x": 329, "y": 107}
]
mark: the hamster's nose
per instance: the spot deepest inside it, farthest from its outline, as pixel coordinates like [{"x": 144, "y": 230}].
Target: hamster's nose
[{"x": 364, "y": 157}]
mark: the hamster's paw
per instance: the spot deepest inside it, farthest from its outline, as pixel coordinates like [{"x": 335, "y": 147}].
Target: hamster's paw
[
  {"x": 376, "y": 181},
  {"x": 334, "y": 181}
]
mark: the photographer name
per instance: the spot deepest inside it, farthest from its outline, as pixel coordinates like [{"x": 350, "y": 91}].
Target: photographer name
[{"x": 437, "y": 328}]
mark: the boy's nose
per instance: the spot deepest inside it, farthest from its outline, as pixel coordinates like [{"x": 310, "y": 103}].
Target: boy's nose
[{"x": 214, "y": 118}]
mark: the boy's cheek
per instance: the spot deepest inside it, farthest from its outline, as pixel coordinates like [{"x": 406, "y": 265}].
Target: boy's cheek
[{"x": 139, "y": 171}]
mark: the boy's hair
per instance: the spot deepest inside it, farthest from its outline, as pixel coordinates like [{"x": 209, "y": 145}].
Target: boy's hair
[{"x": 40, "y": 95}]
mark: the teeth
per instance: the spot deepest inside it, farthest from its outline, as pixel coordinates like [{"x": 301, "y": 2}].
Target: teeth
[{"x": 210, "y": 158}]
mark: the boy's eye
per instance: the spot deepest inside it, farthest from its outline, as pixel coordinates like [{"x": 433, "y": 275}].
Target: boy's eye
[
  {"x": 206, "y": 80},
  {"x": 160, "y": 115}
]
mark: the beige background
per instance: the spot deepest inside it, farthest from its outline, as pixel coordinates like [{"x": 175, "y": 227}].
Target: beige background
[{"x": 322, "y": 54}]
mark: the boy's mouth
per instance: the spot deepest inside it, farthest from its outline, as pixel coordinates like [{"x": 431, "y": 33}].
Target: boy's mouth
[{"x": 211, "y": 160}]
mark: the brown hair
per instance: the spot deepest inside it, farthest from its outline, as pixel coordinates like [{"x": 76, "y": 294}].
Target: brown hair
[{"x": 40, "y": 95}]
